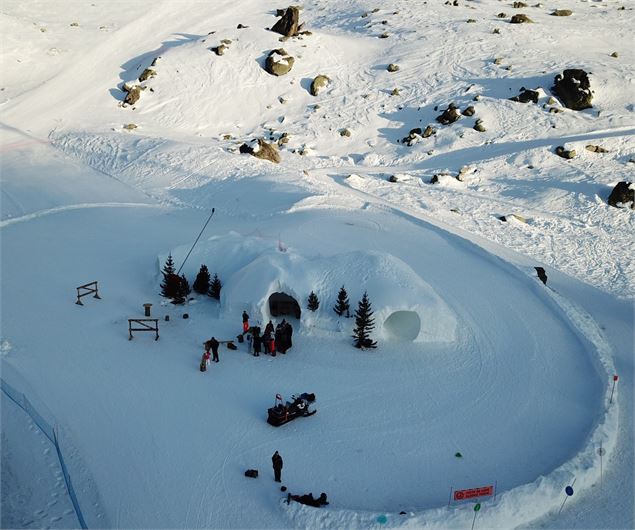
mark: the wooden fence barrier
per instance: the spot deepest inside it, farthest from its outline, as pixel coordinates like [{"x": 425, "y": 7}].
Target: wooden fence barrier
[
  {"x": 145, "y": 326},
  {"x": 84, "y": 290}
]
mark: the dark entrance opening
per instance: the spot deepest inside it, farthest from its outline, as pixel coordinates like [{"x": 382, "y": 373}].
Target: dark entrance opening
[{"x": 281, "y": 304}]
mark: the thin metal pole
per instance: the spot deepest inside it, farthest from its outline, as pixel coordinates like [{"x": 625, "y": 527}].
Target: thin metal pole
[
  {"x": 474, "y": 520},
  {"x": 450, "y": 499},
  {"x": 199, "y": 235}
]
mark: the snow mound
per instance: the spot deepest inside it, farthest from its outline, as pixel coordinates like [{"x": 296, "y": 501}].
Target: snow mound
[{"x": 252, "y": 269}]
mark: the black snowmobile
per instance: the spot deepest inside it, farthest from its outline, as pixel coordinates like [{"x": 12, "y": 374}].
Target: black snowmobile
[{"x": 281, "y": 413}]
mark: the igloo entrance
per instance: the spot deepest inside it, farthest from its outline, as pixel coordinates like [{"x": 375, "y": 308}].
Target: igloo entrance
[
  {"x": 281, "y": 304},
  {"x": 402, "y": 325}
]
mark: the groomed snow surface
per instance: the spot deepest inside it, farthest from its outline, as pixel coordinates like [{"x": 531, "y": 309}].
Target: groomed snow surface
[{"x": 475, "y": 355}]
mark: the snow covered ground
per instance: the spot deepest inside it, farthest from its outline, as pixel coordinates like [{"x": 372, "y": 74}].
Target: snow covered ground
[{"x": 514, "y": 375}]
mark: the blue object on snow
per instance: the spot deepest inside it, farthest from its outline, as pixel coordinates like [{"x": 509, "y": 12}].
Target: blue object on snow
[{"x": 382, "y": 519}]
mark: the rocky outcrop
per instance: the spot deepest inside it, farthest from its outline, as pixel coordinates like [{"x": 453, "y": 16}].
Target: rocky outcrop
[
  {"x": 562, "y": 13},
  {"x": 319, "y": 83},
  {"x": 288, "y": 24},
  {"x": 261, "y": 149},
  {"x": 596, "y": 148},
  {"x": 623, "y": 193},
  {"x": 574, "y": 89},
  {"x": 279, "y": 62}
]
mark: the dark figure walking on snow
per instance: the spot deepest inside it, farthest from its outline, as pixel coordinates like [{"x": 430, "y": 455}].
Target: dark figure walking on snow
[
  {"x": 245, "y": 322},
  {"x": 214, "y": 346},
  {"x": 276, "y": 459}
]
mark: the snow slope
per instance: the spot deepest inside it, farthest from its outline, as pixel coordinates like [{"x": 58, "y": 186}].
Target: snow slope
[{"x": 519, "y": 387}]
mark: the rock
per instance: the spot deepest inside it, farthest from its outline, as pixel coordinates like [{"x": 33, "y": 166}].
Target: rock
[
  {"x": 345, "y": 132},
  {"x": 240, "y": 26},
  {"x": 507, "y": 218},
  {"x": 520, "y": 5},
  {"x": 623, "y": 193},
  {"x": 521, "y": 19},
  {"x": 320, "y": 82},
  {"x": 478, "y": 126},
  {"x": 227, "y": 137},
  {"x": 288, "y": 24},
  {"x": 498, "y": 60},
  {"x": 541, "y": 274},
  {"x": 261, "y": 149},
  {"x": 471, "y": 21},
  {"x": 596, "y": 149},
  {"x": 278, "y": 62},
  {"x": 392, "y": 178},
  {"x": 450, "y": 115},
  {"x": 501, "y": 15},
  {"x": 476, "y": 98},
  {"x": 130, "y": 126},
  {"x": 384, "y": 36},
  {"x": 147, "y": 74},
  {"x": 526, "y": 96},
  {"x": 429, "y": 131},
  {"x": 155, "y": 60},
  {"x": 394, "y": 92},
  {"x": 565, "y": 153},
  {"x": 469, "y": 111},
  {"x": 573, "y": 89},
  {"x": 227, "y": 42},
  {"x": 220, "y": 49},
  {"x": 392, "y": 67},
  {"x": 74, "y": 24},
  {"x": 496, "y": 31},
  {"x": 615, "y": 54},
  {"x": 284, "y": 139},
  {"x": 562, "y": 13},
  {"x": 133, "y": 93}
]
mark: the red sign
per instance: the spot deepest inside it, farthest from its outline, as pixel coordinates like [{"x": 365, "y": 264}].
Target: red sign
[
  {"x": 461, "y": 495},
  {"x": 614, "y": 378}
]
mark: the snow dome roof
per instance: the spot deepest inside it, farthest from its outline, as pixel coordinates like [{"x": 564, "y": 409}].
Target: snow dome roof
[{"x": 253, "y": 268}]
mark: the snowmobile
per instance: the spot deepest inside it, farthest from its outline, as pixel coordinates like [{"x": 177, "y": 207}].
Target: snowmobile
[{"x": 281, "y": 413}]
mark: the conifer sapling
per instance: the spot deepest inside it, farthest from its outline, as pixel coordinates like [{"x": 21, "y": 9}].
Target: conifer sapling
[
  {"x": 215, "y": 287},
  {"x": 201, "y": 284},
  {"x": 364, "y": 324},
  {"x": 342, "y": 305},
  {"x": 313, "y": 303}
]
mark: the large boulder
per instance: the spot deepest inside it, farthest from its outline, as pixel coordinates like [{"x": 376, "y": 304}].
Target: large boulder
[
  {"x": 521, "y": 19},
  {"x": 450, "y": 115},
  {"x": 623, "y": 192},
  {"x": 320, "y": 82},
  {"x": 288, "y": 24},
  {"x": 261, "y": 149},
  {"x": 279, "y": 62},
  {"x": 526, "y": 96},
  {"x": 573, "y": 89},
  {"x": 133, "y": 93}
]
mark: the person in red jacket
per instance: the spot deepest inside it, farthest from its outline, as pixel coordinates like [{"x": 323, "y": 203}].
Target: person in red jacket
[{"x": 245, "y": 322}]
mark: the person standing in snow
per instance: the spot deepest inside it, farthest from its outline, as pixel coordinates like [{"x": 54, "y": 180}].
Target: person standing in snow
[
  {"x": 205, "y": 361},
  {"x": 269, "y": 327},
  {"x": 276, "y": 459},
  {"x": 278, "y": 337},
  {"x": 257, "y": 342},
  {"x": 214, "y": 346},
  {"x": 288, "y": 332},
  {"x": 245, "y": 322}
]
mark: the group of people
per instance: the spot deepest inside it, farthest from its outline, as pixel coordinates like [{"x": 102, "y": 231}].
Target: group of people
[{"x": 273, "y": 340}]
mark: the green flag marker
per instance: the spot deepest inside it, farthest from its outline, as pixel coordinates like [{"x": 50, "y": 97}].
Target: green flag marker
[{"x": 477, "y": 506}]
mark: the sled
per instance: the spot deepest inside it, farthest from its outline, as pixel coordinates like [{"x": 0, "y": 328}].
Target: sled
[{"x": 281, "y": 413}]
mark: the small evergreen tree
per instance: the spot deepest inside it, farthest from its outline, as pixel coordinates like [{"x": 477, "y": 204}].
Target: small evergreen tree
[
  {"x": 184, "y": 287},
  {"x": 364, "y": 323},
  {"x": 201, "y": 284},
  {"x": 171, "y": 282},
  {"x": 215, "y": 287},
  {"x": 313, "y": 303},
  {"x": 342, "y": 305}
]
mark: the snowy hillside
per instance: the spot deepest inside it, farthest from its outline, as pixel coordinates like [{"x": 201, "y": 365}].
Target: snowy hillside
[{"x": 441, "y": 224}]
